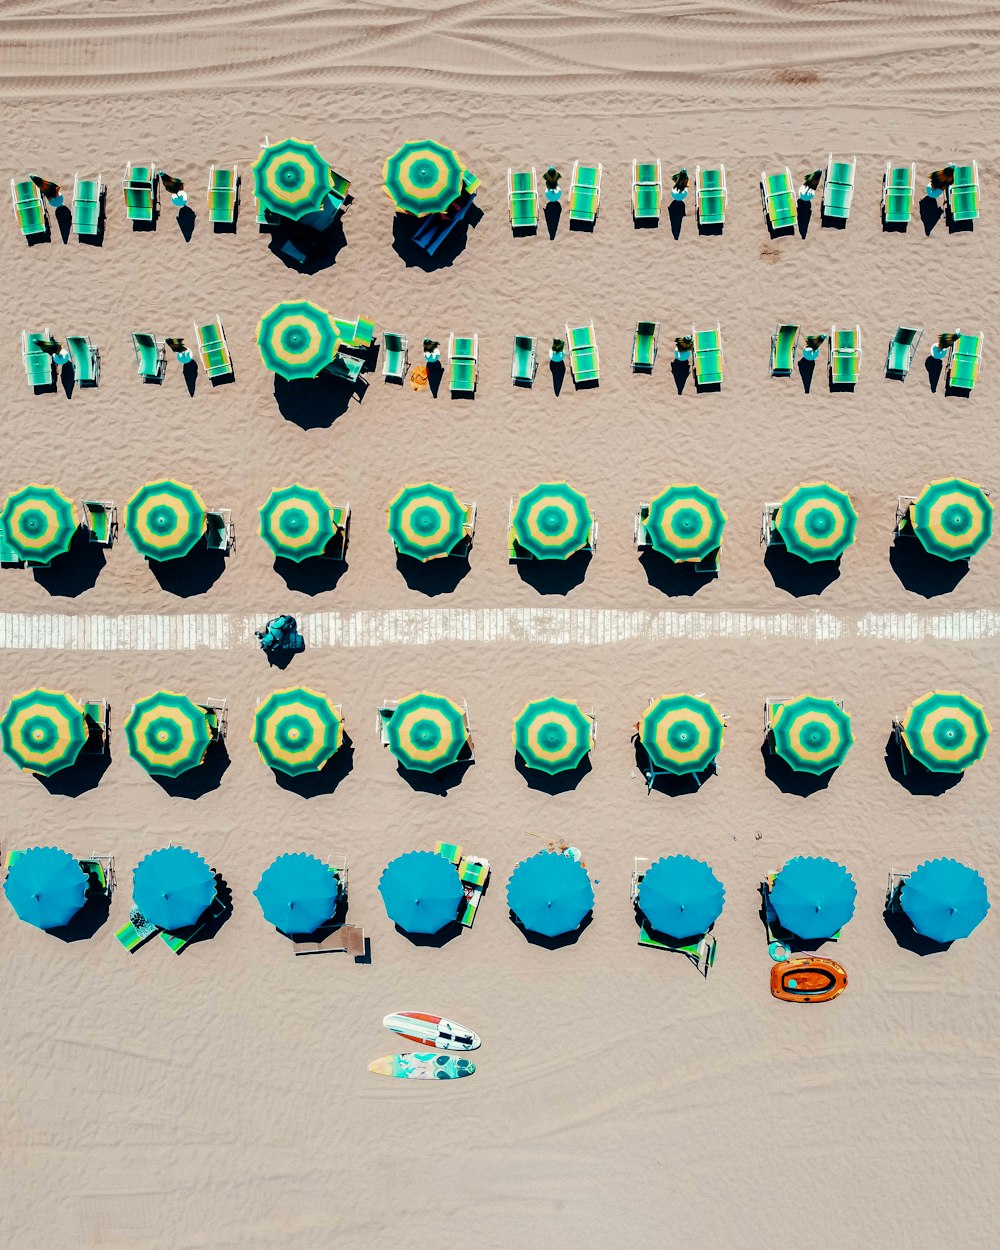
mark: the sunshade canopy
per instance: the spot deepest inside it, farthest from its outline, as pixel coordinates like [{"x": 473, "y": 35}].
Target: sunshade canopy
[
  {"x": 291, "y": 178},
  {"x": 165, "y": 519},
  {"x": 681, "y": 733},
  {"x": 38, "y": 523},
  {"x": 297, "y": 730},
  {"x": 946, "y": 731},
  {"x": 423, "y": 177},
  {"x": 816, "y": 521},
  {"x": 552, "y": 522},
  {"x": 426, "y": 521},
  {"x": 426, "y": 732},
  {"x": 550, "y": 894},
  {"x": 167, "y": 733},
  {"x": 421, "y": 891},
  {"x": 953, "y": 518},
  {"x": 812, "y": 734},
  {"x": 813, "y": 897},
  {"x": 553, "y": 735},
  {"x": 298, "y": 893},
  {"x": 297, "y": 522},
  {"x": 944, "y": 899},
  {"x": 46, "y": 886},
  {"x": 680, "y": 896},
  {"x": 297, "y": 339},
  {"x": 685, "y": 522},
  {"x": 43, "y": 731},
  {"x": 172, "y": 887}
]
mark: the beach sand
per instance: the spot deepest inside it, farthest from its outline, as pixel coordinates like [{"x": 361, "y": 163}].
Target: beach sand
[{"x": 221, "y": 1099}]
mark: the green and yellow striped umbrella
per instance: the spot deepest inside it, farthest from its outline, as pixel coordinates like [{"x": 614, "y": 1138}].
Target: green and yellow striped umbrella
[
  {"x": 813, "y": 735},
  {"x": 685, "y": 522},
  {"x": 553, "y": 735},
  {"x": 681, "y": 733},
  {"x": 291, "y": 178},
  {"x": 816, "y": 521},
  {"x": 953, "y": 518},
  {"x": 946, "y": 731},
  {"x": 553, "y": 521},
  {"x": 297, "y": 339},
  {"x": 423, "y": 177},
  {"x": 426, "y": 521},
  {"x": 297, "y": 522},
  {"x": 167, "y": 734},
  {"x": 426, "y": 732},
  {"x": 165, "y": 519},
  {"x": 38, "y": 523},
  {"x": 297, "y": 730},
  {"x": 43, "y": 731}
]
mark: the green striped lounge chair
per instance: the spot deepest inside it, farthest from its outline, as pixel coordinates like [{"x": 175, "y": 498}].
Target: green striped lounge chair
[
  {"x": 223, "y": 191},
  {"x": 38, "y": 365},
  {"x": 585, "y": 193},
  {"x": 963, "y": 361},
  {"x": 345, "y": 366},
  {"x": 524, "y": 361},
  {"x": 29, "y": 207},
  {"x": 150, "y": 355},
  {"x": 86, "y": 359},
  {"x": 783, "y": 342},
  {"x": 963, "y": 194},
  {"x": 220, "y": 534},
  {"x": 778, "y": 198},
  {"x": 838, "y": 188},
  {"x": 647, "y": 190},
  {"x": 88, "y": 195},
  {"x": 396, "y": 358},
  {"x": 645, "y": 341},
  {"x": 100, "y": 520},
  {"x": 139, "y": 189},
  {"x": 707, "y": 356},
  {"x": 710, "y": 195},
  {"x": 463, "y": 363},
  {"x": 214, "y": 349},
  {"x": 522, "y": 199},
  {"x": 845, "y": 356},
  {"x": 902, "y": 349},
  {"x": 136, "y": 932},
  {"x": 584, "y": 361},
  {"x": 897, "y": 193},
  {"x": 339, "y": 187}
]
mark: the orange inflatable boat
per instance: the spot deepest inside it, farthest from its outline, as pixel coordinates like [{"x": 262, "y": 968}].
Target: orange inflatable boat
[{"x": 808, "y": 979}]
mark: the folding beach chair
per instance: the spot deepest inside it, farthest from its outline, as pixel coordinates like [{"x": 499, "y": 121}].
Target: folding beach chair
[
  {"x": 97, "y": 715},
  {"x": 223, "y": 194},
  {"x": 86, "y": 359},
  {"x": 150, "y": 355},
  {"x": 524, "y": 361},
  {"x": 777, "y": 195},
  {"x": 584, "y": 361},
  {"x": 897, "y": 193},
  {"x": 220, "y": 533},
  {"x": 645, "y": 341},
  {"x": 38, "y": 365},
  {"x": 396, "y": 356},
  {"x": 29, "y": 206},
  {"x": 845, "y": 356},
  {"x": 463, "y": 364},
  {"x": 707, "y": 361},
  {"x": 902, "y": 348},
  {"x": 137, "y": 932},
  {"x": 522, "y": 199},
  {"x": 88, "y": 198},
  {"x": 339, "y": 187},
  {"x": 585, "y": 194},
  {"x": 838, "y": 188},
  {"x": 100, "y": 870},
  {"x": 345, "y": 366},
  {"x": 139, "y": 188},
  {"x": 217, "y": 711},
  {"x": 336, "y": 548},
  {"x": 963, "y": 361},
  {"x": 710, "y": 196},
  {"x": 783, "y": 342},
  {"x": 100, "y": 520},
  {"x": 473, "y": 872},
  {"x": 647, "y": 190},
  {"x": 963, "y": 193},
  {"x": 214, "y": 349}
]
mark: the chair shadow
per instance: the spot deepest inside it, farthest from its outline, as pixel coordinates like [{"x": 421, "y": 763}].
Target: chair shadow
[
  {"x": 555, "y": 577},
  {"x": 91, "y": 917},
  {"x": 553, "y": 211},
  {"x": 313, "y": 403},
  {"x": 193, "y": 574},
  {"x": 931, "y": 212},
  {"x": 75, "y": 571},
  {"x": 214, "y": 923},
  {"x": 83, "y": 774},
  {"x": 434, "y": 940},
  {"x": 832, "y": 223},
  {"x": 43, "y": 236},
  {"x": 186, "y": 218},
  {"x": 199, "y": 781},
  {"x": 440, "y": 782},
  {"x": 806, "y": 370},
  {"x": 922, "y": 573},
  {"x": 796, "y": 576},
  {"x": 934, "y": 368},
  {"x": 326, "y": 779},
  {"x": 915, "y": 778},
  {"x": 558, "y": 370},
  {"x": 64, "y": 220},
  {"x": 674, "y": 785},
  {"x": 413, "y": 256},
  {"x": 788, "y": 781},
  {"x": 803, "y": 216},
  {"x": 436, "y": 577},
  {"x": 670, "y": 578},
  {"x": 560, "y": 941},
  {"x": 901, "y": 927},
  {"x": 310, "y": 577},
  {"x": 681, "y": 369},
  {"x": 435, "y": 376},
  {"x": 958, "y": 227},
  {"x": 841, "y": 388},
  {"x": 959, "y": 392},
  {"x": 892, "y": 227},
  {"x": 676, "y": 212},
  {"x": 553, "y": 783}
]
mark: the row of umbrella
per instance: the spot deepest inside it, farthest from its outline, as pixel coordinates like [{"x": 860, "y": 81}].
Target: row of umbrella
[{"x": 549, "y": 893}]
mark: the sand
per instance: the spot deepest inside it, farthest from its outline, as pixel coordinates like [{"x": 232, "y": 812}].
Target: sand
[{"x": 221, "y": 1099}]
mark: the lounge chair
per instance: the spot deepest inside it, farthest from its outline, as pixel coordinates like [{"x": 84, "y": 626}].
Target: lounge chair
[
  {"x": 220, "y": 533},
  {"x": 38, "y": 365},
  {"x": 223, "y": 194},
  {"x": 473, "y": 874},
  {"x": 522, "y": 199},
  {"x": 137, "y": 932},
  {"x": 348, "y": 939},
  {"x": 963, "y": 361},
  {"x": 897, "y": 193},
  {"x": 777, "y": 195},
  {"x": 524, "y": 361},
  {"x": 963, "y": 193},
  {"x": 88, "y": 201},
  {"x": 217, "y": 711},
  {"x": 214, "y": 349},
  {"x": 451, "y": 851},
  {"x": 396, "y": 357},
  {"x": 902, "y": 348},
  {"x": 177, "y": 942},
  {"x": 346, "y": 367},
  {"x": 150, "y": 355},
  {"x": 845, "y": 356},
  {"x": 584, "y": 361},
  {"x": 100, "y": 520},
  {"x": 86, "y": 359},
  {"x": 463, "y": 364},
  {"x": 29, "y": 205},
  {"x": 97, "y": 715},
  {"x": 139, "y": 188},
  {"x": 100, "y": 870},
  {"x": 647, "y": 190},
  {"x": 838, "y": 188},
  {"x": 645, "y": 341},
  {"x": 783, "y": 342},
  {"x": 710, "y": 196},
  {"x": 585, "y": 194},
  {"x": 707, "y": 363}
]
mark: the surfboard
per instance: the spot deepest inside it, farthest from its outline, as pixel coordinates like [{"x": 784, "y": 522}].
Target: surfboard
[
  {"x": 423, "y": 1067},
  {"x": 807, "y": 979},
  {"x": 426, "y": 1030}
]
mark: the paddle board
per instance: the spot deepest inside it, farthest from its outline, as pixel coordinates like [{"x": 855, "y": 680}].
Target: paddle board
[
  {"x": 423, "y": 1067},
  {"x": 807, "y": 979},
  {"x": 418, "y": 1026}
]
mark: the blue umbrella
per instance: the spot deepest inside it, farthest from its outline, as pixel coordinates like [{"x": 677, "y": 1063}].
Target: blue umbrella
[
  {"x": 46, "y": 886},
  {"x": 944, "y": 900},
  {"x": 680, "y": 896},
  {"x": 814, "y": 897},
  {"x": 421, "y": 891},
  {"x": 298, "y": 893},
  {"x": 172, "y": 887},
  {"x": 550, "y": 894}
]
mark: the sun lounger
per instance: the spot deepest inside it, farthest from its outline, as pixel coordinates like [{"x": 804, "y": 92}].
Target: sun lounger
[
  {"x": 150, "y": 355},
  {"x": 86, "y": 359},
  {"x": 217, "y": 711},
  {"x": 97, "y": 714},
  {"x": 778, "y": 198},
  {"x": 139, "y": 188},
  {"x": 451, "y": 851},
  {"x": 902, "y": 348},
  {"x": 584, "y": 361},
  {"x": 707, "y": 356},
  {"x": 963, "y": 193},
  {"x": 963, "y": 361},
  {"x": 473, "y": 874},
  {"x": 783, "y": 342},
  {"x": 177, "y": 942},
  {"x": 88, "y": 196},
  {"x": 524, "y": 362},
  {"x": 522, "y": 199},
  {"x": 838, "y": 188},
  {"x": 710, "y": 195},
  {"x": 100, "y": 870},
  {"x": 220, "y": 533},
  {"x": 647, "y": 190},
  {"x": 223, "y": 193},
  {"x": 845, "y": 356},
  {"x": 644, "y": 344},
  {"x": 396, "y": 356},
  {"x": 100, "y": 520},
  {"x": 897, "y": 193},
  {"x": 463, "y": 364},
  {"x": 436, "y": 228},
  {"x": 349, "y": 939},
  {"x": 38, "y": 365},
  {"x": 214, "y": 349},
  {"x": 137, "y": 932},
  {"x": 585, "y": 193},
  {"x": 339, "y": 187},
  {"x": 29, "y": 206}
]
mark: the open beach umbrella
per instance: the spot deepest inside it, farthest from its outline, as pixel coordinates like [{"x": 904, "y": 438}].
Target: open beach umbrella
[
  {"x": 291, "y": 178},
  {"x": 944, "y": 899},
  {"x": 680, "y": 896},
  {"x": 421, "y": 891},
  {"x": 426, "y": 732},
  {"x": 813, "y": 897},
  {"x": 426, "y": 521},
  {"x": 43, "y": 731},
  {"x": 681, "y": 733},
  {"x": 297, "y": 339},
  {"x": 816, "y": 521},
  {"x": 46, "y": 886},
  {"x": 423, "y": 177},
  {"x": 550, "y": 894},
  {"x": 952, "y": 518},
  {"x": 165, "y": 519},
  {"x": 553, "y": 735},
  {"x": 812, "y": 734},
  {"x": 297, "y": 522},
  {"x": 38, "y": 523},
  {"x": 298, "y": 893},
  {"x": 172, "y": 887},
  {"x": 946, "y": 731},
  {"x": 685, "y": 522},
  {"x": 297, "y": 730},
  {"x": 167, "y": 733},
  {"x": 553, "y": 521}
]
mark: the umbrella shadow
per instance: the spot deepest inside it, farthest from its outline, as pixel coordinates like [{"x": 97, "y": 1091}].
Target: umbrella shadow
[
  {"x": 305, "y": 251},
  {"x": 922, "y": 573},
  {"x": 441, "y": 781},
  {"x": 560, "y": 940},
  {"x": 314, "y": 403},
  {"x": 435, "y": 577},
  {"x": 787, "y": 779},
  {"x": 931, "y": 212},
  {"x": 206, "y": 930},
  {"x": 901, "y": 927},
  {"x": 435, "y": 940},
  {"x": 553, "y": 783},
  {"x": 88, "y": 920},
  {"x": 326, "y": 779},
  {"x": 193, "y": 574},
  {"x": 83, "y": 774},
  {"x": 914, "y": 777},
  {"x": 405, "y": 226},
  {"x": 799, "y": 577},
  {"x": 675, "y": 785},
  {"x": 555, "y": 577},
  {"x": 312, "y": 576},
  {"x": 75, "y": 571},
  {"x": 200, "y": 780},
  {"x": 679, "y": 580}
]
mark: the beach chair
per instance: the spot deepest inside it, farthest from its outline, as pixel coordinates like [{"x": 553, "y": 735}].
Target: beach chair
[
  {"x": 139, "y": 189},
  {"x": 524, "y": 361},
  {"x": 97, "y": 715},
  {"x": 647, "y": 190},
  {"x": 346, "y": 367},
  {"x": 451, "y": 851},
  {"x": 897, "y": 193},
  {"x": 645, "y": 341},
  {"x": 88, "y": 201},
  {"x": 585, "y": 194},
  {"x": 584, "y": 361},
  {"x": 838, "y": 188},
  {"x": 100, "y": 520},
  {"x": 396, "y": 356},
  {"x": 522, "y": 199},
  {"x": 214, "y": 349},
  {"x": 964, "y": 358},
  {"x": 473, "y": 873},
  {"x": 845, "y": 356},
  {"x": 777, "y": 195},
  {"x": 29, "y": 207},
  {"x": 178, "y": 941},
  {"x": 217, "y": 711},
  {"x": 902, "y": 348},
  {"x": 86, "y": 359},
  {"x": 100, "y": 870},
  {"x": 137, "y": 932},
  {"x": 710, "y": 196},
  {"x": 348, "y": 939},
  {"x": 463, "y": 364},
  {"x": 783, "y": 342},
  {"x": 220, "y": 533},
  {"x": 150, "y": 355},
  {"x": 963, "y": 193},
  {"x": 223, "y": 194},
  {"x": 707, "y": 363},
  {"x": 38, "y": 365}
]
